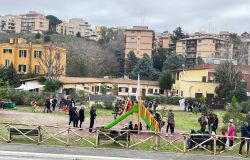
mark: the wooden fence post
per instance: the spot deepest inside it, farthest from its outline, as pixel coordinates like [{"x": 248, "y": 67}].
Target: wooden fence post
[
  {"x": 127, "y": 139},
  {"x": 97, "y": 137},
  {"x": 9, "y": 135},
  {"x": 157, "y": 141},
  {"x": 39, "y": 139},
  {"x": 214, "y": 139},
  {"x": 185, "y": 144},
  {"x": 68, "y": 136}
]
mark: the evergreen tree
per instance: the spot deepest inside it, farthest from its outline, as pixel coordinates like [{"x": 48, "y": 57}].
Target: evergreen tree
[
  {"x": 53, "y": 21},
  {"x": 173, "y": 61},
  {"x": 131, "y": 62},
  {"x": 166, "y": 81},
  {"x": 120, "y": 56},
  {"x": 178, "y": 34},
  {"x": 145, "y": 68},
  {"x": 78, "y": 34},
  {"x": 11, "y": 76},
  {"x": 159, "y": 57}
]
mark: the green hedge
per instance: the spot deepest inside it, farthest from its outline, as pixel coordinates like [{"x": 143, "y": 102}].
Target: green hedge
[{"x": 164, "y": 100}]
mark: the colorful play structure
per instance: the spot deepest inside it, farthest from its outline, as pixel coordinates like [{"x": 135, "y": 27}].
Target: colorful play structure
[{"x": 142, "y": 113}]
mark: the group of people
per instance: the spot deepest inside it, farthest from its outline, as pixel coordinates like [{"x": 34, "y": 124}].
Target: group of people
[
  {"x": 76, "y": 116},
  {"x": 50, "y": 102},
  {"x": 122, "y": 106},
  {"x": 211, "y": 120}
]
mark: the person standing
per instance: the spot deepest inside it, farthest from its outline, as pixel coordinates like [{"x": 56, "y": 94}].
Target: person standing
[
  {"x": 54, "y": 102},
  {"x": 210, "y": 120},
  {"x": 171, "y": 122},
  {"x": 230, "y": 132},
  {"x": 81, "y": 116},
  {"x": 92, "y": 118},
  {"x": 215, "y": 123},
  {"x": 71, "y": 115},
  {"x": 245, "y": 133},
  {"x": 47, "y": 105},
  {"x": 203, "y": 123},
  {"x": 75, "y": 117}
]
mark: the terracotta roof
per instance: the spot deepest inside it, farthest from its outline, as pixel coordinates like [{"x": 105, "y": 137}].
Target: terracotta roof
[{"x": 77, "y": 80}]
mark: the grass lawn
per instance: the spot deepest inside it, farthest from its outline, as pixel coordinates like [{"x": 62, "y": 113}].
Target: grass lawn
[{"x": 186, "y": 120}]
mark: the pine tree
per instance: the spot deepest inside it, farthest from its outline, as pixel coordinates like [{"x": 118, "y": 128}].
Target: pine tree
[
  {"x": 11, "y": 76},
  {"x": 131, "y": 61},
  {"x": 145, "y": 68}
]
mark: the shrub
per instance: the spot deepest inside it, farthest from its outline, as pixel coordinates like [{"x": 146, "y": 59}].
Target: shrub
[
  {"x": 52, "y": 85},
  {"x": 245, "y": 106},
  {"x": 108, "y": 105},
  {"x": 240, "y": 94},
  {"x": 47, "y": 39},
  {"x": 5, "y": 93},
  {"x": 25, "y": 98},
  {"x": 234, "y": 112},
  {"x": 97, "y": 105}
]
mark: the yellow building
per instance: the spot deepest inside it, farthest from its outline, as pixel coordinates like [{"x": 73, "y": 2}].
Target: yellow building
[
  {"x": 194, "y": 83},
  {"x": 206, "y": 47},
  {"x": 29, "y": 57},
  {"x": 125, "y": 86}
]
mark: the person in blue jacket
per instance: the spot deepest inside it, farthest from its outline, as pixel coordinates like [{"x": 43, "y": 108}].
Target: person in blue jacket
[{"x": 245, "y": 133}]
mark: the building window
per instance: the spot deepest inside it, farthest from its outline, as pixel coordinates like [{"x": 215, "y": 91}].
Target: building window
[
  {"x": 132, "y": 38},
  {"x": 37, "y": 69},
  {"x": 22, "y": 53},
  {"x": 7, "y": 63},
  {"x": 7, "y": 51},
  {"x": 123, "y": 89},
  {"x": 181, "y": 93},
  {"x": 150, "y": 91},
  {"x": 204, "y": 79},
  {"x": 199, "y": 41},
  {"x": 58, "y": 56},
  {"x": 133, "y": 90},
  {"x": 156, "y": 91},
  {"x": 37, "y": 54},
  {"x": 22, "y": 68},
  {"x": 183, "y": 42}
]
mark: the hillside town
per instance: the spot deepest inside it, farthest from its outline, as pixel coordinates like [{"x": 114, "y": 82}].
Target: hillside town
[{"x": 68, "y": 80}]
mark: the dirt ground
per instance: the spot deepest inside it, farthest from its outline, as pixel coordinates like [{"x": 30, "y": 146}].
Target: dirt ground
[{"x": 62, "y": 122}]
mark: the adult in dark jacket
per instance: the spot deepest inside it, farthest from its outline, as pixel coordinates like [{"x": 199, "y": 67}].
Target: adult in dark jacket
[
  {"x": 81, "y": 116},
  {"x": 54, "y": 102},
  {"x": 71, "y": 115},
  {"x": 92, "y": 118},
  {"x": 245, "y": 133},
  {"x": 47, "y": 105},
  {"x": 215, "y": 124},
  {"x": 75, "y": 117}
]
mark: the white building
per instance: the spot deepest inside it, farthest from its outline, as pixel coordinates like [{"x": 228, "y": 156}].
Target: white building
[
  {"x": 7, "y": 23},
  {"x": 75, "y": 26}
]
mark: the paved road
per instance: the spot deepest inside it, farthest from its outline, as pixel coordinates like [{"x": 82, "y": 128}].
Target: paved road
[{"x": 42, "y": 152}]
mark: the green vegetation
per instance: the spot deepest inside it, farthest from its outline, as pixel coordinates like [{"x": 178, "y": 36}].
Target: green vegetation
[{"x": 166, "y": 81}]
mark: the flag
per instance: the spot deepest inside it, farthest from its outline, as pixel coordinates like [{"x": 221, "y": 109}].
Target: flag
[
  {"x": 129, "y": 95},
  {"x": 137, "y": 94}
]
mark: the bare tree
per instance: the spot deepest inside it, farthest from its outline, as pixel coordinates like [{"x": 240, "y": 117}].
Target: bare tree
[{"x": 51, "y": 62}]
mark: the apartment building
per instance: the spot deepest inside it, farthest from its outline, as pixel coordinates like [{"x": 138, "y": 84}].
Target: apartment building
[
  {"x": 206, "y": 47},
  {"x": 7, "y": 23},
  {"x": 75, "y": 26},
  {"x": 139, "y": 39},
  {"x": 31, "y": 22},
  {"x": 164, "y": 40},
  {"x": 28, "y": 57}
]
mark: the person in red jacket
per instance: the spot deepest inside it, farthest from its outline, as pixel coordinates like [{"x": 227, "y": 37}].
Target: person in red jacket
[{"x": 230, "y": 132}]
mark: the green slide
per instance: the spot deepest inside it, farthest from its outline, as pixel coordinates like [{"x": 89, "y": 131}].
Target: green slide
[
  {"x": 122, "y": 117},
  {"x": 125, "y": 115}
]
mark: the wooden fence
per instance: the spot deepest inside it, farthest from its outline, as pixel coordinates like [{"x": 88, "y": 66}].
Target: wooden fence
[{"x": 181, "y": 142}]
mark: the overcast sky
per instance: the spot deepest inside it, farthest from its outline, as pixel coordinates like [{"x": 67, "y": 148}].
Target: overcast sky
[{"x": 159, "y": 15}]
